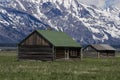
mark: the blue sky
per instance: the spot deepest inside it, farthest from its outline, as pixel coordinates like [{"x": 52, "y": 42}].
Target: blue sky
[
  {"x": 3, "y": 0},
  {"x": 98, "y": 3},
  {"x": 102, "y": 3}
]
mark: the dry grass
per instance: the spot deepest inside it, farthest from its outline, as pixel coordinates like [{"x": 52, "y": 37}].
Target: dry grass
[{"x": 87, "y": 69}]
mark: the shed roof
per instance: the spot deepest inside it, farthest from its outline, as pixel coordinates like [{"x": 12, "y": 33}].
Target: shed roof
[
  {"x": 58, "y": 39},
  {"x": 102, "y": 47}
]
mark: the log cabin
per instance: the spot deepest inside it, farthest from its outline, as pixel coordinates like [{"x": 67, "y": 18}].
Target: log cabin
[
  {"x": 48, "y": 45},
  {"x": 98, "y": 50}
]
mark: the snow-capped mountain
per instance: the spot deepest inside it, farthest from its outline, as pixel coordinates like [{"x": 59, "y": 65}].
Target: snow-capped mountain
[{"x": 86, "y": 24}]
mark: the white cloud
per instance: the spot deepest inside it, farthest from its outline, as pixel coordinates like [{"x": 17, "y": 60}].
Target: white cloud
[
  {"x": 102, "y": 3},
  {"x": 116, "y": 3},
  {"x": 113, "y": 3},
  {"x": 98, "y": 3}
]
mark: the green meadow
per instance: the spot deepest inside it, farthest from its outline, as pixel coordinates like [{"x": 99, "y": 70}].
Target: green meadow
[{"x": 85, "y": 69}]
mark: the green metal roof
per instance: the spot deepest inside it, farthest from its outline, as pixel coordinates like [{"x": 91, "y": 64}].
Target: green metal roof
[{"x": 58, "y": 39}]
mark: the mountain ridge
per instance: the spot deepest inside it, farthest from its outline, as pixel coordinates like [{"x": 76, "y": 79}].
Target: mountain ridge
[{"x": 86, "y": 24}]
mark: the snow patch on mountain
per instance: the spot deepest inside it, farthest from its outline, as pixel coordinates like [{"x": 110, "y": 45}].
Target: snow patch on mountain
[
  {"x": 21, "y": 5},
  {"x": 86, "y": 24}
]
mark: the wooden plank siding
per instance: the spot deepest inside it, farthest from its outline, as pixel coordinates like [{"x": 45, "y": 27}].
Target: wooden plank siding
[
  {"x": 72, "y": 52},
  {"x": 36, "y": 57},
  {"x": 32, "y": 52},
  {"x": 35, "y": 39},
  {"x": 60, "y": 53},
  {"x": 35, "y": 47},
  {"x": 92, "y": 52}
]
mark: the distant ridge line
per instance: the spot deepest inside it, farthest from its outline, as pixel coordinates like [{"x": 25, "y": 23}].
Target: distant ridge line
[{"x": 8, "y": 44}]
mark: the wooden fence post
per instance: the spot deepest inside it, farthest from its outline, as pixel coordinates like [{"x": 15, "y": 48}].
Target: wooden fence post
[
  {"x": 53, "y": 53},
  {"x": 98, "y": 54},
  {"x": 81, "y": 53}
]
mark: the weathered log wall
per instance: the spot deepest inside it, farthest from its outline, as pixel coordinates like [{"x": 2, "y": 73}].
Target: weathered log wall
[{"x": 36, "y": 53}]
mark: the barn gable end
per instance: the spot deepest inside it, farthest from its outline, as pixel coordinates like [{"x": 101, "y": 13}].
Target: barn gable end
[
  {"x": 35, "y": 39},
  {"x": 35, "y": 46}
]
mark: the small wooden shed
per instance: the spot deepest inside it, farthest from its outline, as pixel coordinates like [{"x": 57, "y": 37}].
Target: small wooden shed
[
  {"x": 48, "y": 45},
  {"x": 98, "y": 50}
]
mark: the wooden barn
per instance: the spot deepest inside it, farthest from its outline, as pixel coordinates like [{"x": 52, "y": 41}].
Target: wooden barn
[
  {"x": 98, "y": 50},
  {"x": 48, "y": 45}
]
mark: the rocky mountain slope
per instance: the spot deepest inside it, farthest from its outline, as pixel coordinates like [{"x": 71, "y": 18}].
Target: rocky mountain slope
[{"x": 86, "y": 24}]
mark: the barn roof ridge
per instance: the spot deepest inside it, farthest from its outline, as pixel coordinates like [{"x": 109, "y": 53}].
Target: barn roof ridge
[
  {"x": 58, "y": 39},
  {"x": 103, "y": 47}
]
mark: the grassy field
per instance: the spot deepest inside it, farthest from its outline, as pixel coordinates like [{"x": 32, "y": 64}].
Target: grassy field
[{"x": 87, "y": 69}]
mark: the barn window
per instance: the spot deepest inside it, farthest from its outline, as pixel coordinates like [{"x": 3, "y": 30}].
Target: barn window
[
  {"x": 73, "y": 53},
  {"x": 87, "y": 49}
]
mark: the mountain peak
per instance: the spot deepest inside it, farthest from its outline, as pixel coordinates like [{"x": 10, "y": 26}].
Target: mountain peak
[{"x": 86, "y": 24}]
